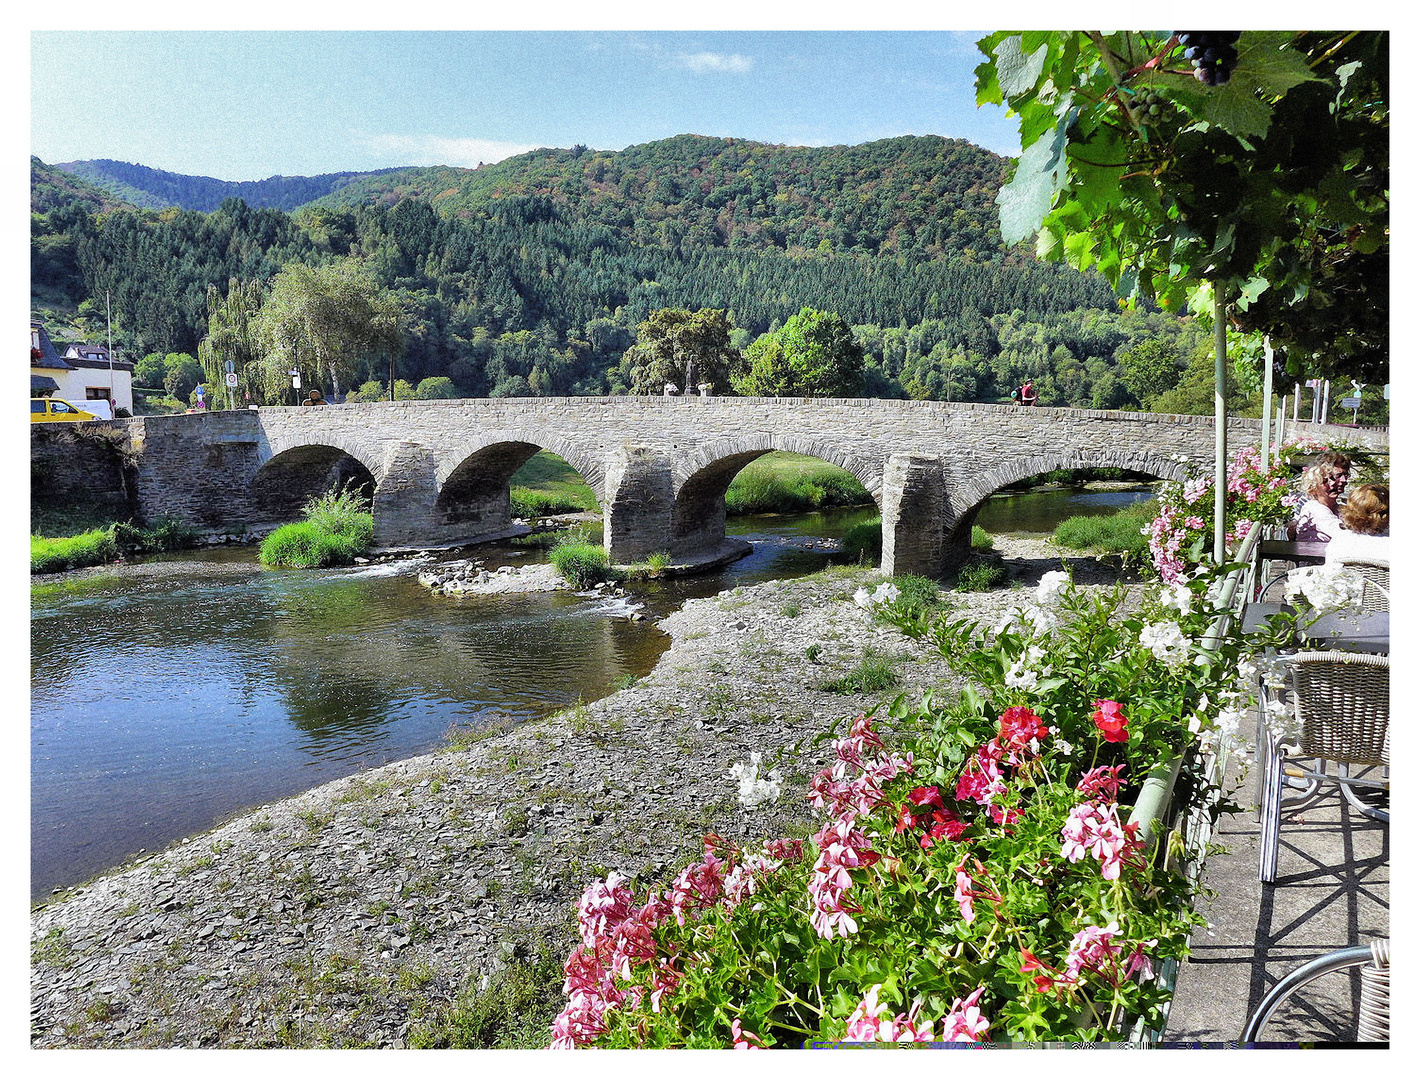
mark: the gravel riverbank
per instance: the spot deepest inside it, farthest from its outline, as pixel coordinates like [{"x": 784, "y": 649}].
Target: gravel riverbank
[{"x": 356, "y": 914}]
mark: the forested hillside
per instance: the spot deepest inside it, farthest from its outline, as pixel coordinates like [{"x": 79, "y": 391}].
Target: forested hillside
[
  {"x": 155, "y": 189},
  {"x": 910, "y": 194},
  {"x": 532, "y": 276}
]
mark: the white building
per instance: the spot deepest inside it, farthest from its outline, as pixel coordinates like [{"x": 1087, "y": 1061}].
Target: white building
[{"x": 85, "y": 373}]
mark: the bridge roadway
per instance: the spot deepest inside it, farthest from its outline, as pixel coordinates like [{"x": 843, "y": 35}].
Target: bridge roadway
[{"x": 440, "y": 470}]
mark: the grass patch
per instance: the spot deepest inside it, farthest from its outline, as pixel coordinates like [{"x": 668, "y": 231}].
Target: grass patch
[
  {"x": 863, "y": 542},
  {"x": 338, "y": 527},
  {"x": 981, "y": 540},
  {"x": 546, "y": 485},
  {"x": 1118, "y": 532},
  {"x": 917, "y": 596},
  {"x": 784, "y": 483},
  {"x": 515, "y": 1010},
  {"x": 873, "y": 674},
  {"x": 980, "y": 576},
  {"x": 582, "y": 563},
  {"x": 52, "y": 554}
]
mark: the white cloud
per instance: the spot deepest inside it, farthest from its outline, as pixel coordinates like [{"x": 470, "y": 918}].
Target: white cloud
[
  {"x": 438, "y": 150},
  {"x": 702, "y": 62}
]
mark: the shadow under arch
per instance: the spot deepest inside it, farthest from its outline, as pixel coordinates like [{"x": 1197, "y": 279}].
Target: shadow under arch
[
  {"x": 288, "y": 479},
  {"x": 698, "y": 512},
  {"x": 474, "y": 482}
]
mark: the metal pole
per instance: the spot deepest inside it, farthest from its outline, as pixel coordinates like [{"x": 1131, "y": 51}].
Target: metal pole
[
  {"x": 1220, "y": 424},
  {"x": 1266, "y": 400},
  {"x": 1325, "y": 400},
  {"x": 108, "y": 316}
]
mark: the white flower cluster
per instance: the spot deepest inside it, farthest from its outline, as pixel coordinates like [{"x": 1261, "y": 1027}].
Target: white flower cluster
[
  {"x": 1177, "y": 597},
  {"x": 1166, "y": 641},
  {"x": 885, "y": 593},
  {"x": 753, "y": 789},
  {"x": 1025, "y": 673},
  {"x": 1052, "y": 586},
  {"x": 1326, "y": 588}
]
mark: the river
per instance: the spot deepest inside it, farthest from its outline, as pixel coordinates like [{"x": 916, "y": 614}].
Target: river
[{"x": 169, "y": 695}]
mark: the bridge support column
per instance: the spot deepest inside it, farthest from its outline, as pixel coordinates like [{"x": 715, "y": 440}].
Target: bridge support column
[
  {"x": 639, "y": 501},
  {"x": 915, "y": 509},
  {"x": 404, "y": 500}
]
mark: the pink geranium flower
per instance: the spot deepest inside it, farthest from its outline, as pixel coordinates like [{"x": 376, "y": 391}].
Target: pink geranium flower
[
  {"x": 964, "y": 1022},
  {"x": 867, "y": 1023},
  {"x": 1101, "y": 782}
]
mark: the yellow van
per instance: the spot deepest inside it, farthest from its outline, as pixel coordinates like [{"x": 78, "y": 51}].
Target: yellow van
[{"x": 56, "y": 410}]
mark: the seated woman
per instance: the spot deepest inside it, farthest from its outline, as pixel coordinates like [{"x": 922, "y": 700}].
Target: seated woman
[
  {"x": 1364, "y": 536},
  {"x": 1323, "y": 484}
]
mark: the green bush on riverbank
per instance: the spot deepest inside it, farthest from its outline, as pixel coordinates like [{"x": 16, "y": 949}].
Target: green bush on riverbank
[
  {"x": 338, "y": 527},
  {"x": 1118, "y": 533},
  {"x": 94, "y": 547},
  {"x": 580, "y": 562}
]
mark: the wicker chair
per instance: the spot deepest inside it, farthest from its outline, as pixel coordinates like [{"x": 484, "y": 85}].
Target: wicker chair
[
  {"x": 1342, "y": 705},
  {"x": 1376, "y": 594},
  {"x": 1373, "y": 1017}
]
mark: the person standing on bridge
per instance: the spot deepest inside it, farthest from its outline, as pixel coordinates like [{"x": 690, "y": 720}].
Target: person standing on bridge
[
  {"x": 1028, "y": 394},
  {"x": 314, "y": 398}
]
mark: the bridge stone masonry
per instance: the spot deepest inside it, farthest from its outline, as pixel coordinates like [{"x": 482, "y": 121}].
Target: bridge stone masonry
[{"x": 440, "y": 470}]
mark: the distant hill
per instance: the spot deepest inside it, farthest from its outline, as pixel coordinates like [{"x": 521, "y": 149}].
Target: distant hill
[
  {"x": 921, "y": 193},
  {"x": 156, "y": 189},
  {"x": 52, "y": 188}
]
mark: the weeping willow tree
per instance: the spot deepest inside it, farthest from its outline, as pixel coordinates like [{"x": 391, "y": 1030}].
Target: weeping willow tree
[
  {"x": 232, "y": 338},
  {"x": 327, "y": 322}
]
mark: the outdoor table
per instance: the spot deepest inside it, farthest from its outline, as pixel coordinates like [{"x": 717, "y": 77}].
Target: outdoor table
[
  {"x": 1367, "y": 632},
  {"x": 1301, "y": 552}
]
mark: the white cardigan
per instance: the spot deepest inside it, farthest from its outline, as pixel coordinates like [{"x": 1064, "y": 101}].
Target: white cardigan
[{"x": 1348, "y": 546}]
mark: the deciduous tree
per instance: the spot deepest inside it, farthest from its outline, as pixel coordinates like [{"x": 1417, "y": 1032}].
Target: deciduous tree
[
  {"x": 324, "y": 321},
  {"x": 813, "y": 355},
  {"x": 677, "y": 346}
]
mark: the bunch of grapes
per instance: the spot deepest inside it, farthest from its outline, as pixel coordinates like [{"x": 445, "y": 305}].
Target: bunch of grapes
[
  {"x": 1211, "y": 52},
  {"x": 1150, "y": 107}
]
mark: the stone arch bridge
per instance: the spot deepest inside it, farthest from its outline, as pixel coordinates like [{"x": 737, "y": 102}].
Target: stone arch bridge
[{"x": 440, "y": 470}]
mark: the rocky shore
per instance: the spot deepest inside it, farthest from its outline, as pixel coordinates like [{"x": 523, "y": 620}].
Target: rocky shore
[{"x": 358, "y": 913}]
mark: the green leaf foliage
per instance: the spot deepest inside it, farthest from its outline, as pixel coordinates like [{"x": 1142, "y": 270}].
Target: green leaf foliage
[{"x": 1272, "y": 187}]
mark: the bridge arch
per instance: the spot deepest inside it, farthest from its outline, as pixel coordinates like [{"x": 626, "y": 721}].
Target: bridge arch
[
  {"x": 292, "y": 475},
  {"x": 967, "y": 498},
  {"x": 473, "y": 481},
  {"x": 698, "y": 511}
]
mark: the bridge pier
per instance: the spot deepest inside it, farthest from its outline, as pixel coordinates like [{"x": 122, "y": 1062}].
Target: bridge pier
[
  {"x": 915, "y": 508},
  {"x": 636, "y": 515}
]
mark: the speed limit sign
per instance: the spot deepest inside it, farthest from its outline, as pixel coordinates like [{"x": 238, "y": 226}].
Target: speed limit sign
[{"x": 231, "y": 378}]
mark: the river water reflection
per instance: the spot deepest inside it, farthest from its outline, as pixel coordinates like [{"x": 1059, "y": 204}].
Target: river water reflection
[{"x": 173, "y": 695}]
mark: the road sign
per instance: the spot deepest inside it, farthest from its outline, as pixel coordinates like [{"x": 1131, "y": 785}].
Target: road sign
[
  {"x": 231, "y": 378},
  {"x": 295, "y": 380},
  {"x": 231, "y": 367},
  {"x": 201, "y": 392},
  {"x": 1350, "y": 403}
]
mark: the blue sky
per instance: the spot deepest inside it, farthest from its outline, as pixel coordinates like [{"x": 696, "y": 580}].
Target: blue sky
[{"x": 247, "y": 105}]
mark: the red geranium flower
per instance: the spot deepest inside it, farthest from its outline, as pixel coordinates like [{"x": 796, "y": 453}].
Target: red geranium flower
[
  {"x": 1109, "y": 718},
  {"x": 1019, "y": 725}
]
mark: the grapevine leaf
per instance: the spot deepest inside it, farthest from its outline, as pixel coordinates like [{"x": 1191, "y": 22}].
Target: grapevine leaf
[
  {"x": 1016, "y": 72},
  {"x": 1040, "y": 173},
  {"x": 1251, "y": 290},
  {"x": 1265, "y": 70}
]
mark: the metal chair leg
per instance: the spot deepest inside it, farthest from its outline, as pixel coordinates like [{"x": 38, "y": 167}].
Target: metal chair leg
[
  {"x": 1347, "y": 792},
  {"x": 1271, "y": 819}
]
